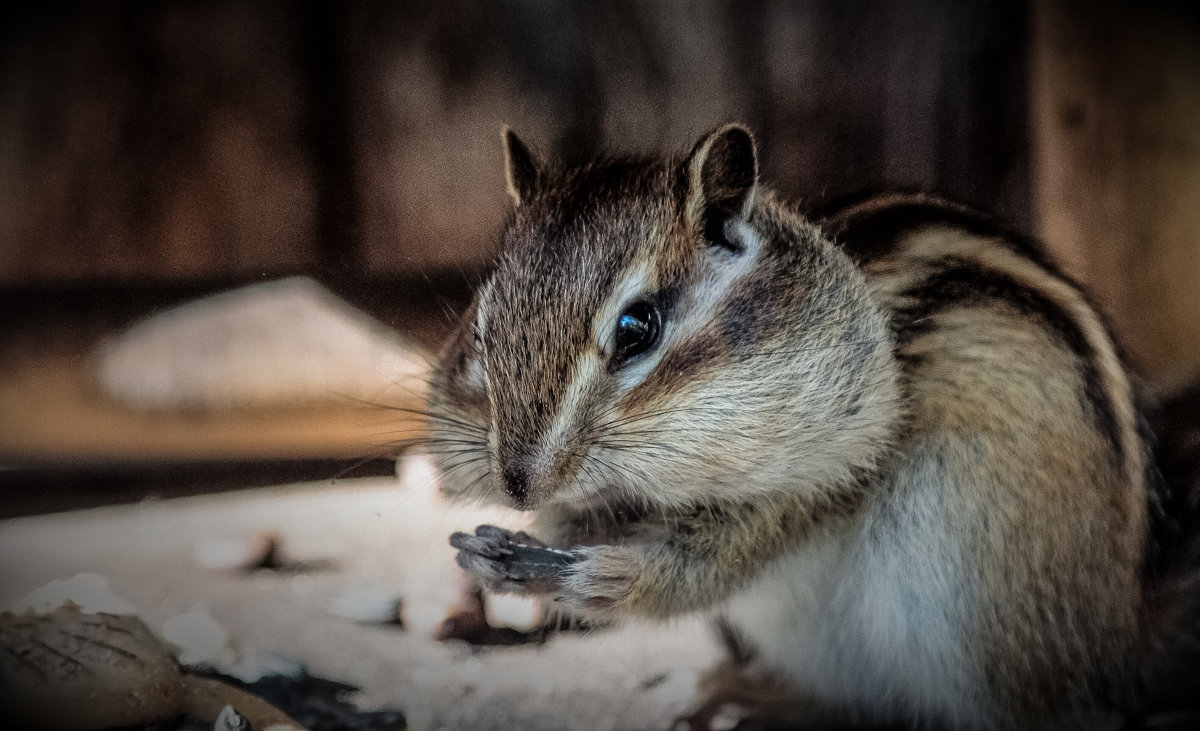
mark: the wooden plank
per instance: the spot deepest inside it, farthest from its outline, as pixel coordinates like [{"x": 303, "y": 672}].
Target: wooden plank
[
  {"x": 1116, "y": 174},
  {"x": 50, "y": 411}
]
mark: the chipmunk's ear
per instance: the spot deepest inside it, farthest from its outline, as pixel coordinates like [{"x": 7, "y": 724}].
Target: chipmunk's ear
[
  {"x": 521, "y": 168},
  {"x": 721, "y": 172}
]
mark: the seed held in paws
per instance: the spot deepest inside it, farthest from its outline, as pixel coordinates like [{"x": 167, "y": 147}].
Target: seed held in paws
[{"x": 508, "y": 561}]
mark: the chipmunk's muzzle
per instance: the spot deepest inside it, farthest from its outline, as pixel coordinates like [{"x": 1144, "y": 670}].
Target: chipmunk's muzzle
[
  {"x": 529, "y": 481},
  {"x": 518, "y": 476},
  {"x": 516, "y": 484}
]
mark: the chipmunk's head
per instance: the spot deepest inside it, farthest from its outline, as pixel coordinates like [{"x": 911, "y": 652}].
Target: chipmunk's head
[{"x": 658, "y": 333}]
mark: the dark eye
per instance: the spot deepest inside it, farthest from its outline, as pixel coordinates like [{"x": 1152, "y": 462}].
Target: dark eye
[{"x": 637, "y": 331}]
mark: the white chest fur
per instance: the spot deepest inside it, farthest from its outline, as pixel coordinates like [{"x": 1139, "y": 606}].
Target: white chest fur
[{"x": 870, "y": 619}]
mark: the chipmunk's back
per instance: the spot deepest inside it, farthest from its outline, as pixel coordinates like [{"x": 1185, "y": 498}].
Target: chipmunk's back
[
  {"x": 1022, "y": 455},
  {"x": 895, "y": 454}
]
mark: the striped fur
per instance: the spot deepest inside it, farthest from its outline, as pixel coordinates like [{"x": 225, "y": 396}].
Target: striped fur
[{"x": 894, "y": 451}]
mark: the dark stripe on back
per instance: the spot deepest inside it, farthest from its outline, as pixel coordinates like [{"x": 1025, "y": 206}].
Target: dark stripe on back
[
  {"x": 871, "y": 233},
  {"x": 960, "y": 283}
]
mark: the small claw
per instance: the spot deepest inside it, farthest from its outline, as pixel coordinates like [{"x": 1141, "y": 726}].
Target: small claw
[
  {"x": 525, "y": 539},
  {"x": 519, "y": 538},
  {"x": 483, "y": 567},
  {"x": 482, "y": 545},
  {"x": 512, "y": 562},
  {"x": 494, "y": 533}
]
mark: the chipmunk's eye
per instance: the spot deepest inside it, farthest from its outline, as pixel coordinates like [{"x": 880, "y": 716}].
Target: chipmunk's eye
[{"x": 637, "y": 331}]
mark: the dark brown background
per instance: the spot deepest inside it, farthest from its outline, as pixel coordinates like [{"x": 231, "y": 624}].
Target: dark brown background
[
  {"x": 182, "y": 140},
  {"x": 151, "y": 152}
]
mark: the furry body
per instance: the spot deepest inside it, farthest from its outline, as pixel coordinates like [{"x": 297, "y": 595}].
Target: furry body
[{"x": 894, "y": 451}]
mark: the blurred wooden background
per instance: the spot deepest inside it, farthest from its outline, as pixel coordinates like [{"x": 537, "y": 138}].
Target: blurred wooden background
[
  {"x": 195, "y": 139},
  {"x": 153, "y": 152},
  {"x": 192, "y": 141},
  {"x": 1115, "y": 92}
]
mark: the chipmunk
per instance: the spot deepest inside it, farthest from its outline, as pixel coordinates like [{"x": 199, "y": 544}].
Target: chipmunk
[{"x": 892, "y": 451}]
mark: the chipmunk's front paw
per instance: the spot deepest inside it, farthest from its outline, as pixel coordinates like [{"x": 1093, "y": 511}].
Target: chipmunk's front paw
[
  {"x": 586, "y": 580},
  {"x": 602, "y": 578},
  {"x": 511, "y": 562}
]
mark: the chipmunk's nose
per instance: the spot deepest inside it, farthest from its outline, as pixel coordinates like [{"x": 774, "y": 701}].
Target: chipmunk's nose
[{"x": 516, "y": 483}]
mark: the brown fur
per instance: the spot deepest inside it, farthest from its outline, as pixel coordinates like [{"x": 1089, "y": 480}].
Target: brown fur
[{"x": 908, "y": 471}]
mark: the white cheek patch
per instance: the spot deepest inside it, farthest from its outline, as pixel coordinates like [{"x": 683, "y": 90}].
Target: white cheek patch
[
  {"x": 481, "y": 309},
  {"x": 640, "y": 281},
  {"x": 739, "y": 231},
  {"x": 724, "y": 269},
  {"x": 476, "y": 375},
  {"x": 589, "y": 365},
  {"x": 587, "y": 369}
]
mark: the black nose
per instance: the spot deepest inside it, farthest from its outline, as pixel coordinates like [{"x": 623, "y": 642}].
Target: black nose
[{"x": 516, "y": 483}]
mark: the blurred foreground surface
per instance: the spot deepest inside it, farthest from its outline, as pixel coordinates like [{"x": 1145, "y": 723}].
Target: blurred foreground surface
[{"x": 374, "y": 534}]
